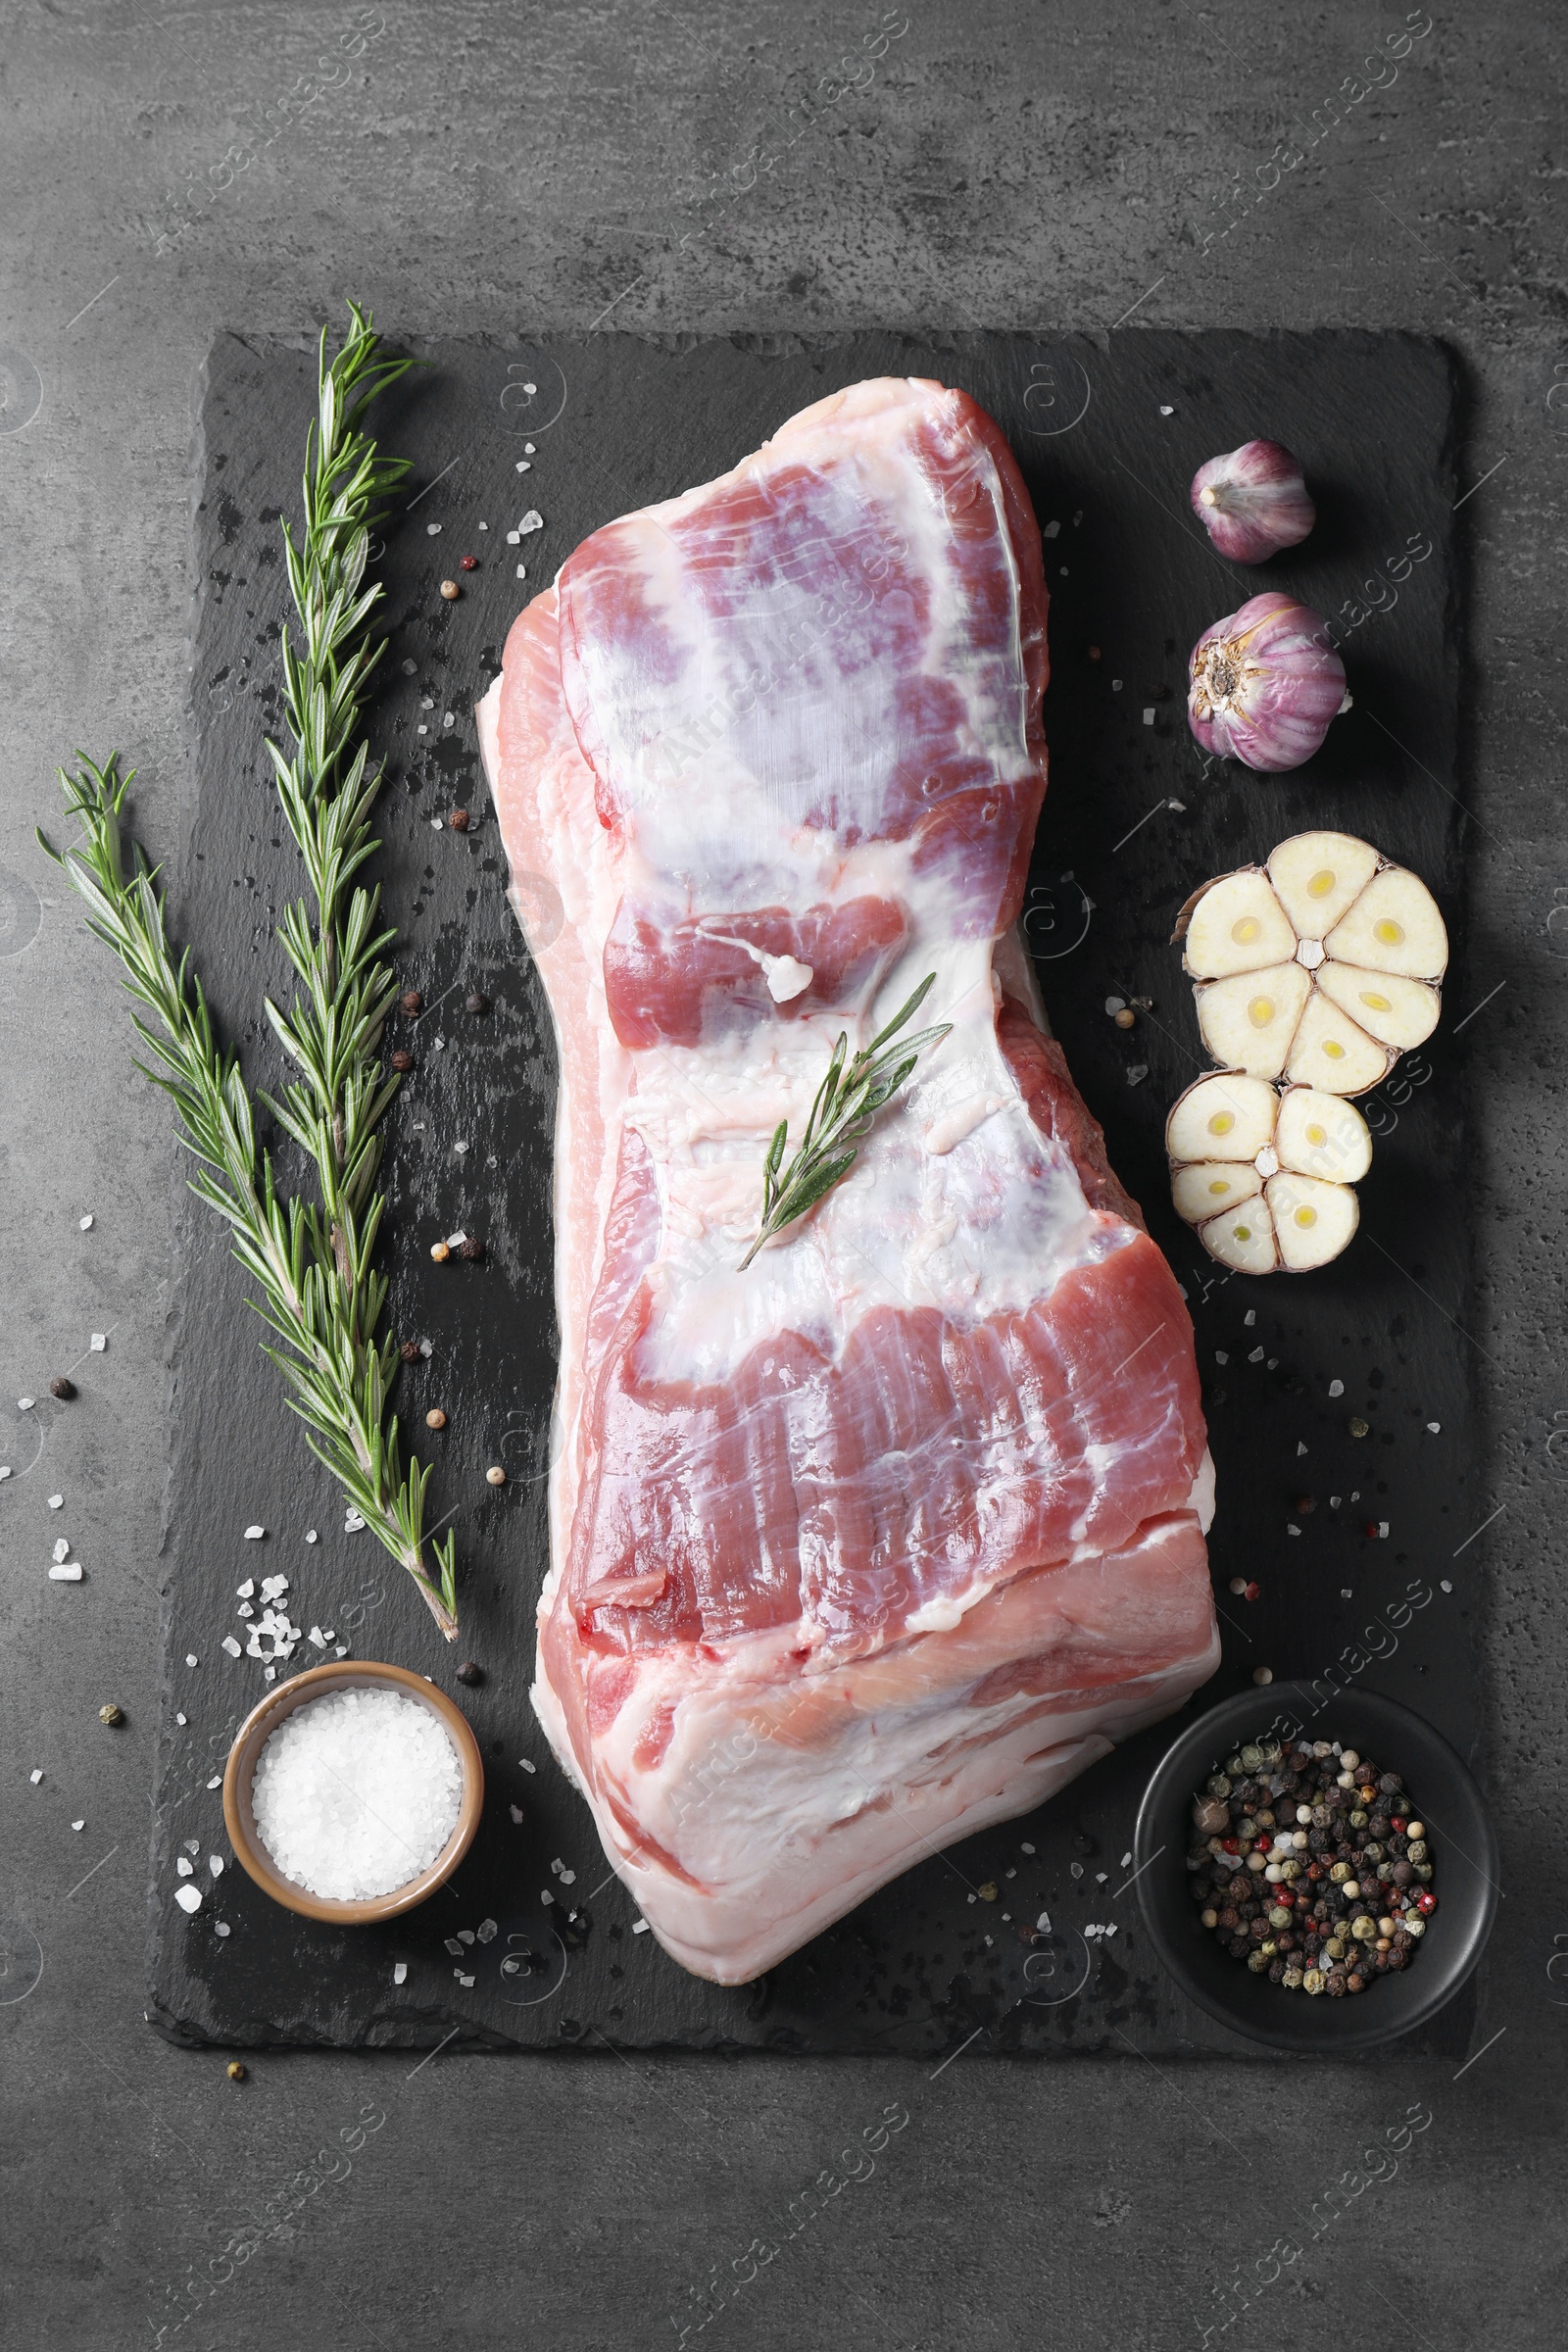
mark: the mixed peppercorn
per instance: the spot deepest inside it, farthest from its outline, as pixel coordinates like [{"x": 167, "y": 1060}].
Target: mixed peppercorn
[{"x": 1311, "y": 1866}]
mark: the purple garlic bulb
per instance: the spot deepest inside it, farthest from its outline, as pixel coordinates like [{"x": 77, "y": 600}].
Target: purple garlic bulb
[
  {"x": 1252, "y": 502},
  {"x": 1266, "y": 683}
]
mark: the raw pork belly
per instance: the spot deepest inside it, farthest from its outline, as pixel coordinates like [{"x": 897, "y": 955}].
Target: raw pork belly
[{"x": 886, "y": 1538}]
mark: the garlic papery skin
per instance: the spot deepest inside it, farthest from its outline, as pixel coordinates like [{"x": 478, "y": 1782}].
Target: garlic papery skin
[
  {"x": 1265, "y": 682},
  {"x": 1252, "y": 502}
]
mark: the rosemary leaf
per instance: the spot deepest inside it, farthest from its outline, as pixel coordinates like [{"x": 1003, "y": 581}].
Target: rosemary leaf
[
  {"x": 840, "y": 1119},
  {"x": 310, "y": 1260}
]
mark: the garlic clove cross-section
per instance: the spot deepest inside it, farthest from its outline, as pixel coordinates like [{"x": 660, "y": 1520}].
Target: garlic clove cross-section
[
  {"x": 1266, "y": 1179},
  {"x": 1321, "y": 968}
]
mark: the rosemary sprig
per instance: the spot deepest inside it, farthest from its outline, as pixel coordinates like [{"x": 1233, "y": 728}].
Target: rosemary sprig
[
  {"x": 313, "y": 1260},
  {"x": 845, "y": 1103}
]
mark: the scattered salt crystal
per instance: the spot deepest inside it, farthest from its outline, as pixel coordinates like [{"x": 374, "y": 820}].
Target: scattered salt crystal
[
  {"x": 86, "y": 1225},
  {"x": 568, "y": 1878},
  {"x": 253, "y": 1534},
  {"x": 523, "y": 571},
  {"x": 245, "y": 1590},
  {"x": 427, "y": 701},
  {"x": 184, "y": 1866},
  {"x": 1291, "y": 1528},
  {"x": 25, "y": 1404},
  {"x": 527, "y": 449},
  {"x": 516, "y": 1812},
  {"x": 1435, "y": 1426},
  {"x": 189, "y": 1898},
  {"x": 1099, "y": 1878},
  {"x": 231, "y": 1645},
  {"x": 342, "y": 1651},
  {"x": 523, "y": 465},
  {"x": 1164, "y": 412},
  {"x": 1024, "y": 1847},
  {"x": 464, "y": 1935},
  {"x": 191, "y": 1658},
  {"x": 454, "y": 1947},
  {"x": 268, "y": 1674},
  {"x": 1345, "y": 1592},
  {"x": 217, "y": 1781},
  {"x": 5, "y": 1469},
  {"x": 513, "y": 538},
  {"x": 66, "y": 1572},
  {"x": 193, "y": 1845},
  {"x": 318, "y": 1637},
  {"x": 1382, "y": 1528},
  {"x": 427, "y": 1348},
  {"x": 62, "y": 1548},
  {"x": 639, "y": 1926},
  {"x": 545, "y": 1895},
  {"x": 1126, "y": 1858},
  {"x": 78, "y": 1825},
  {"x": 56, "y": 1502},
  {"x": 98, "y": 1343},
  {"x": 35, "y": 1775},
  {"x": 433, "y": 530},
  {"x": 1300, "y": 1449},
  {"x": 356, "y": 1793},
  {"x": 1335, "y": 1387},
  {"x": 400, "y": 1974},
  {"x": 1445, "y": 1586},
  {"x": 533, "y": 520},
  {"x": 1076, "y": 1870},
  {"x": 221, "y": 1926},
  {"x": 454, "y": 1241},
  {"x": 525, "y": 1765},
  {"x": 408, "y": 668},
  {"x": 556, "y": 1867},
  {"x": 1256, "y": 1356},
  {"x": 310, "y": 1534},
  {"x": 1334, "y": 1503},
  {"x": 272, "y": 1587},
  {"x": 244, "y": 1609},
  {"x": 353, "y": 1523},
  {"x": 435, "y": 820},
  {"x": 1115, "y": 1005},
  {"x": 1148, "y": 714},
  {"x": 181, "y": 1719},
  {"x": 487, "y": 1930},
  {"x": 1220, "y": 1356},
  {"x": 1250, "y": 1317},
  {"x": 484, "y": 526},
  {"x": 215, "y": 1863},
  {"x": 1273, "y": 1363},
  {"x": 465, "y": 1981}
]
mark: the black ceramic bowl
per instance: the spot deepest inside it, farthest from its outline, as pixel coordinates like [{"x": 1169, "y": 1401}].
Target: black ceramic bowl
[{"x": 1459, "y": 1834}]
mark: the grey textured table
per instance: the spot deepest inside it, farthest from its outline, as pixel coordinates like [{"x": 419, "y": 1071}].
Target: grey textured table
[{"x": 495, "y": 170}]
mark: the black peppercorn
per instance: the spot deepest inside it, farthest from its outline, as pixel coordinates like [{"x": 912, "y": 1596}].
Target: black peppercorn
[
  {"x": 401, "y": 1060},
  {"x": 470, "y": 1673},
  {"x": 410, "y": 1351},
  {"x": 411, "y": 999},
  {"x": 63, "y": 1387},
  {"x": 459, "y": 820},
  {"x": 471, "y": 1249},
  {"x": 476, "y": 1001}
]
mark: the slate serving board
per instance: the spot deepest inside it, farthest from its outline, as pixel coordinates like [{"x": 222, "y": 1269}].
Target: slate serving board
[{"x": 1108, "y": 435}]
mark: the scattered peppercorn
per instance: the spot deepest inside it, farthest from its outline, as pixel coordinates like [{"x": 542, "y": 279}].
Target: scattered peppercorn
[
  {"x": 411, "y": 999},
  {"x": 1305, "y": 1505},
  {"x": 63, "y": 1387},
  {"x": 440, "y": 1253},
  {"x": 401, "y": 1060},
  {"x": 435, "y": 1418},
  {"x": 1125, "y": 1018},
  {"x": 1294, "y": 1874},
  {"x": 110, "y": 1713},
  {"x": 470, "y": 1673},
  {"x": 451, "y": 591},
  {"x": 495, "y": 1475},
  {"x": 410, "y": 1351},
  {"x": 459, "y": 820},
  {"x": 1094, "y": 652},
  {"x": 1250, "y": 1592},
  {"x": 472, "y": 1249},
  {"x": 1359, "y": 1426},
  {"x": 235, "y": 2070},
  {"x": 1370, "y": 1529},
  {"x": 476, "y": 1001},
  {"x": 469, "y": 564}
]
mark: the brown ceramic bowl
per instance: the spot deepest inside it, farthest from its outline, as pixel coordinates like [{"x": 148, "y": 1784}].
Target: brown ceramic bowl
[{"x": 258, "y": 1728}]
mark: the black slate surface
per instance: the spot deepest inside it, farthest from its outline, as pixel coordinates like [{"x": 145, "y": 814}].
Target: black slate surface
[{"x": 1134, "y": 820}]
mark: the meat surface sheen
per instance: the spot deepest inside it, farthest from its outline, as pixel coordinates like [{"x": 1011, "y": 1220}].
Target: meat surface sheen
[{"x": 885, "y": 1538}]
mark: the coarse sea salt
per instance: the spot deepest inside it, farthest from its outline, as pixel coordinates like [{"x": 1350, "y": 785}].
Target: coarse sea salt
[{"x": 357, "y": 1793}]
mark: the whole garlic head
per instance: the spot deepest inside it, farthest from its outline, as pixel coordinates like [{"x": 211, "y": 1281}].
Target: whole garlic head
[{"x": 1252, "y": 502}]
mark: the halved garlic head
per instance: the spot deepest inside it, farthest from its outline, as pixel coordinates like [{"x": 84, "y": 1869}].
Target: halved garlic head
[
  {"x": 1266, "y": 1178},
  {"x": 1320, "y": 967}
]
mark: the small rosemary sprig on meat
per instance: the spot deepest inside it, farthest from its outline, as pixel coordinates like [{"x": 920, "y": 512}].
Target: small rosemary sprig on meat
[
  {"x": 320, "y": 1291},
  {"x": 847, "y": 1102}
]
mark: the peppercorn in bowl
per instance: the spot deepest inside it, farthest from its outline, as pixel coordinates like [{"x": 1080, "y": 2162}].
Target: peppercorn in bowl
[{"x": 1319, "y": 1927}]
